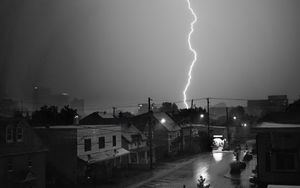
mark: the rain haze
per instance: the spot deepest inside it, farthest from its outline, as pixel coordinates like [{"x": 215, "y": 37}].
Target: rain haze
[{"x": 120, "y": 52}]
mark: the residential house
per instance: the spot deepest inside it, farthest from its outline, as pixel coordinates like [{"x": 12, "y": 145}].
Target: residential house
[
  {"x": 81, "y": 152},
  {"x": 278, "y": 153},
  {"x": 135, "y": 142},
  {"x": 99, "y": 118},
  {"x": 165, "y": 132},
  {"x": 22, "y": 155}
]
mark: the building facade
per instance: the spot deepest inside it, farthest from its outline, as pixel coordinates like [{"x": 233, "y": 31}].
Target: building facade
[
  {"x": 135, "y": 142},
  {"x": 166, "y": 135},
  {"x": 22, "y": 155},
  {"x": 278, "y": 153},
  {"x": 79, "y": 153}
]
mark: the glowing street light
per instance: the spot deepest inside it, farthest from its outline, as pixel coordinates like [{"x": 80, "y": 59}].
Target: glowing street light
[
  {"x": 234, "y": 117},
  {"x": 201, "y": 116},
  {"x": 163, "y": 120}
]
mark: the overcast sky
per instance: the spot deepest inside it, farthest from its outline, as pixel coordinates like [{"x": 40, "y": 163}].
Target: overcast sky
[{"x": 119, "y": 52}]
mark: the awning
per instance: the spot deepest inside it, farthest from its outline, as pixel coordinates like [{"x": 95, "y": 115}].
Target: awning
[{"x": 102, "y": 156}]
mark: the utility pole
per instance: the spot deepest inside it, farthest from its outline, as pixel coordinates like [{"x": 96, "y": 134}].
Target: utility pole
[
  {"x": 114, "y": 111},
  {"x": 208, "y": 116},
  {"x": 227, "y": 126},
  {"x": 150, "y": 132},
  {"x": 192, "y": 103}
]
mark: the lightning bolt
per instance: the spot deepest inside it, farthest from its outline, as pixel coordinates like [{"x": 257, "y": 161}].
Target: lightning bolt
[{"x": 193, "y": 51}]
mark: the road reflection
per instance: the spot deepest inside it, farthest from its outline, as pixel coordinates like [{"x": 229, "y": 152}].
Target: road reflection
[
  {"x": 201, "y": 169},
  {"x": 218, "y": 156}
]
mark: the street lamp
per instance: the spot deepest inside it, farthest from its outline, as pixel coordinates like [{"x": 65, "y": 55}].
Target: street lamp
[
  {"x": 201, "y": 116},
  {"x": 234, "y": 117},
  {"x": 163, "y": 120}
]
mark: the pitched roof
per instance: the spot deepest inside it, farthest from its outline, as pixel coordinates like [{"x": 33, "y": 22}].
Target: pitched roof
[
  {"x": 140, "y": 121},
  {"x": 96, "y": 119},
  {"x": 165, "y": 120},
  {"x": 128, "y": 130}
]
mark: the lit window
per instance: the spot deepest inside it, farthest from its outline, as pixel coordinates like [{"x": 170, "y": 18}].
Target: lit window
[
  {"x": 9, "y": 134},
  {"x": 19, "y": 134}
]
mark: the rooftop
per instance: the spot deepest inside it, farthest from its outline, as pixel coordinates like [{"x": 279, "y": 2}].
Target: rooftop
[
  {"x": 277, "y": 126},
  {"x": 76, "y": 126}
]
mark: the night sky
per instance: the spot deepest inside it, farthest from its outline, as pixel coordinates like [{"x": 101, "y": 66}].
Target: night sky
[{"x": 120, "y": 52}]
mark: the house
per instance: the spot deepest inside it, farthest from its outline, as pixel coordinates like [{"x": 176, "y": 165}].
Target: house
[
  {"x": 135, "y": 142},
  {"x": 22, "y": 155},
  {"x": 165, "y": 132},
  {"x": 99, "y": 118},
  {"x": 81, "y": 152},
  {"x": 278, "y": 153}
]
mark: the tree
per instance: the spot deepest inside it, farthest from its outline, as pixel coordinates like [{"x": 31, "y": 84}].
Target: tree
[
  {"x": 49, "y": 115},
  {"x": 191, "y": 115},
  {"x": 66, "y": 115}
]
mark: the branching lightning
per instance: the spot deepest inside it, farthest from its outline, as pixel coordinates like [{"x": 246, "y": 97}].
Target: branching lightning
[{"x": 193, "y": 51}]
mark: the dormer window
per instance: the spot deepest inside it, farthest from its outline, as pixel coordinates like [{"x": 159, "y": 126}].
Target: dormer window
[
  {"x": 19, "y": 133},
  {"x": 9, "y": 134}
]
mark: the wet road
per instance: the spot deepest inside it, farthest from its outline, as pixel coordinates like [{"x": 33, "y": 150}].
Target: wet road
[{"x": 212, "y": 166}]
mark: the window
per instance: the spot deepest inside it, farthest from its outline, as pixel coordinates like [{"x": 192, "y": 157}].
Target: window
[
  {"x": 9, "y": 134},
  {"x": 133, "y": 158},
  {"x": 101, "y": 142},
  {"x": 285, "y": 161},
  {"x": 268, "y": 161},
  {"x": 29, "y": 161},
  {"x": 114, "y": 140},
  {"x": 87, "y": 144},
  {"x": 19, "y": 134},
  {"x": 10, "y": 165}
]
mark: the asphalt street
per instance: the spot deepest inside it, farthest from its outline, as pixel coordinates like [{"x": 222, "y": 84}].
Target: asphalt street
[{"x": 214, "y": 167}]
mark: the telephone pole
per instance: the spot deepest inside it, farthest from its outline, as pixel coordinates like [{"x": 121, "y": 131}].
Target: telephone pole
[
  {"x": 227, "y": 126},
  {"x": 208, "y": 116},
  {"x": 150, "y": 132},
  {"x": 114, "y": 111},
  {"x": 192, "y": 103}
]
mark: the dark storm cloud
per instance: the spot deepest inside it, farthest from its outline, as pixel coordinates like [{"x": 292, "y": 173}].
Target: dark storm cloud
[{"x": 122, "y": 51}]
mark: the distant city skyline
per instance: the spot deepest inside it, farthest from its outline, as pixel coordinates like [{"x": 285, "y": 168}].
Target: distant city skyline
[{"x": 119, "y": 53}]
